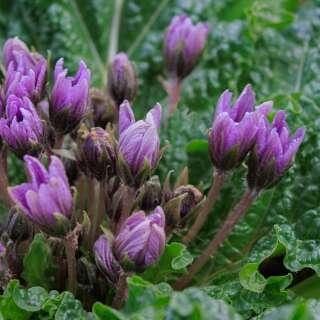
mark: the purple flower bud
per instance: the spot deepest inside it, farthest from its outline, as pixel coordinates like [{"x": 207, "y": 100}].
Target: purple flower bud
[
  {"x": 184, "y": 44},
  {"x": 46, "y": 199},
  {"x": 28, "y": 80},
  {"x": 105, "y": 260},
  {"x": 69, "y": 97},
  {"x": 139, "y": 143},
  {"x": 22, "y": 128},
  {"x": 122, "y": 79},
  {"x": 103, "y": 109},
  {"x": 141, "y": 240},
  {"x": 234, "y": 129},
  {"x": 12, "y": 48},
  {"x": 273, "y": 153},
  {"x": 97, "y": 155},
  {"x": 26, "y": 71}
]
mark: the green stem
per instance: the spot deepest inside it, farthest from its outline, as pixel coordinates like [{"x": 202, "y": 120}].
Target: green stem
[
  {"x": 114, "y": 33},
  {"x": 147, "y": 26}
]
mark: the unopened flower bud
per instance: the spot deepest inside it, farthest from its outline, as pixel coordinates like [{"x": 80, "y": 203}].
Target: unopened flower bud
[
  {"x": 122, "y": 79},
  {"x": 103, "y": 109},
  {"x": 46, "y": 199},
  {"x": 18, "y": 227},
  {"x": 141, "y": 240},
  {"x": 97, "y": 155},
  {"x": 105, "y": 260},
  {"x": 26, "y": 72},
  {"x": 139, "y": 144},
  {"x": 233, "y": 131},
  {"x": 22, "y": 129},
  {"x": 69, "y": 98},
  {"x": 150, "y": 194},
  {"x": 273, "y": 153},
  {"x": 183, "y": 46},
  {"x": 192, "y": 198}
]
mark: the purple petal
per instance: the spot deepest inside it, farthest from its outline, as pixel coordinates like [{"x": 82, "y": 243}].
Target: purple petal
[
  {"x": 154, "y": 116},
  {"x": 126, "y": 116}
]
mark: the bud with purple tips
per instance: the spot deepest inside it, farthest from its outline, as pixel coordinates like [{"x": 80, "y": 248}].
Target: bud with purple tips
[
  {"x": 273, "y": 153},
  {"x": 12, "y": 48},
  {"x": 139, "y": 144},
  {"x": 97, "y": 155},
  {"x": 122, "y": 79},
  {"x": 234, "y": 129},
  {"x": 141, "y": 240},
  {"x": 46, "y": 199},
  {"x": 69, "y": 98},
  {"x": 28, "y": 78},
  {"x": 183, "y": 46},
  {"x": 22, "y": 129},
  {"x": 105, "y": 260}
]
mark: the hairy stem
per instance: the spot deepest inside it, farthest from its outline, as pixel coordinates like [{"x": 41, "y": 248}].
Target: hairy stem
[
  {"x": 174, "y": 90},
  {"x": 72, "y": 266},
  {"x": 91, "y": 198},
  {"x": 121, "y": 292},
  {"x": 101, "y": 211},
  {"x": 235, "y": 215},
  {"x": 218, "y": 181},
  {"x": 81, "y": 188}
]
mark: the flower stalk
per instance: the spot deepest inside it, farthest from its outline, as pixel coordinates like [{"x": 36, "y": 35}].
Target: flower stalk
[
  {"x": 238, "y": 212},
  {"x": 218, "y": 181}
]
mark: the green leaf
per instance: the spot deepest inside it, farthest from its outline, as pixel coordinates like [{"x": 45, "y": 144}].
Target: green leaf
[
  {"x": 8, "y": 307},
  {"x": 299, "y": 310},
  {"x": 38, "y": 264},
  {"x": 70, "y": 309},
  {"x": 31, "y": 299},
  {"x": 174, "y": 261}
]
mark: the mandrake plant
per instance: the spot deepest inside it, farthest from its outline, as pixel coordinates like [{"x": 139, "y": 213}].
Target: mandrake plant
[{"x": 92, "y": 188}]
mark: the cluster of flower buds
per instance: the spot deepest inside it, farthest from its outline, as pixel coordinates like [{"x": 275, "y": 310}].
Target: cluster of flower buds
[
  {"x": 139, "y": 244},
  {"x": 46, "y": 200},
  {"x": 242, "y": 129}
]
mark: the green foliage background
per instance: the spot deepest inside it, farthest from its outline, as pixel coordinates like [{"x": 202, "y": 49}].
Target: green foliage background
[{"x": 274, "y": 45}]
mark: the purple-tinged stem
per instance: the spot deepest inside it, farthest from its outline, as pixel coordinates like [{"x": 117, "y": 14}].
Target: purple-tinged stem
[
  {"x": 91, "y": 198},
  {"x": 121, "y": 294},
  {"x": 81, "y": 188},
  {"x": 59, "y": 142},
  {"x": 218, "y": 181},
  {"x": 71, "y": 244},
  {"x": 238, "y": 212},
  {"x": 101, "y": 211},
  {"x": 4, "y": 180},
  {"x": 174, "y": 90}
]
